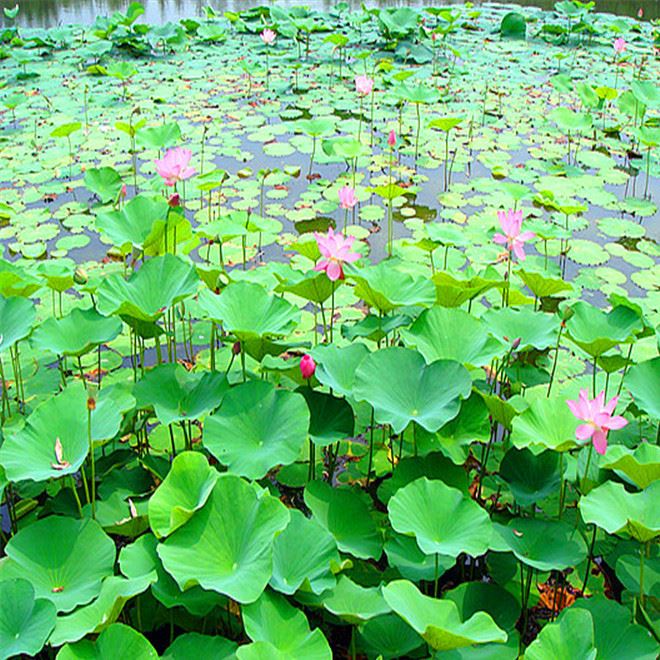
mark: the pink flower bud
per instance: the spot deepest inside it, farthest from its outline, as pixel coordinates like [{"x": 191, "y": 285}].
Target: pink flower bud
[
  {"x": 123, "y": 190},
  {"x": 619, "y": 45},
  {"x": 236, "y": 348},
  {"x": 174, "y": 200},
  {"x": 391, "y": 139},
  {"x": 307, "y": 366}
]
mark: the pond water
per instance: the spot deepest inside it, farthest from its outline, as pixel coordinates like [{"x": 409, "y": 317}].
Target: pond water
[{"x": 47, "y": 13}]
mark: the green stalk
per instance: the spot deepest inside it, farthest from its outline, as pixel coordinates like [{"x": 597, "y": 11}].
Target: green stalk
[{"x": 92, "y": 459}]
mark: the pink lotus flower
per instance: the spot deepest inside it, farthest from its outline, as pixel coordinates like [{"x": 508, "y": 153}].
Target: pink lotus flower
[
  {"x": 391, "y": 138},
  {"x": 363, "y": 85},
  {"x": 307, "y": 366},
  {"x": 511, "y": 222},
  {"x": 598, "y": 418},
  {"x": 619, "y": 45},
  {"x": 173, "y": 166},
  {"x": 336, "y": 250},
  {"x": 347, "y": 197},
  {"x": 268, "y": 37}
]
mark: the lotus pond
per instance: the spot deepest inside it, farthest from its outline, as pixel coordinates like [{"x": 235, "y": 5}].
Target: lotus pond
[{"x": 331, "y": 334}]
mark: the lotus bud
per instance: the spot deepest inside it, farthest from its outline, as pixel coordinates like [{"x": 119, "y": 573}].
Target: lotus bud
[
  {"x": 91, "y": 403},
  {"x": 80, "y": 276},
  {"x": 123, "y": 192},
  {"x": 174, "y": 201},
  {"x": 307, "y": 366},
  {"x": 516, "y": 343},
  {"x": 236, "y": 348},
  {"x": 391, "y": 139}
]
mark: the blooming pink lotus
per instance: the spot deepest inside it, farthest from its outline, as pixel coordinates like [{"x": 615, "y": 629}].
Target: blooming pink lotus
[
  {"x": 268, "y": 37},
  {"x": 173, "y": 166},
  {"x": 307, "y": 366},
  {"x": 364, "y": 85},
  {"x": 347, "y": 197},
  {"x": 511, "y": 222},
  {"x": 336, "y": 250},
  {"x": 598, "y": 417},
  {"x": 391, "y": 138},
  {"x": 619, "y": 45}
]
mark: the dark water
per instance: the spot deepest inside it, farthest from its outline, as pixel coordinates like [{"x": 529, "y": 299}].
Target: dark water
[{"x": 49, "y": 13}]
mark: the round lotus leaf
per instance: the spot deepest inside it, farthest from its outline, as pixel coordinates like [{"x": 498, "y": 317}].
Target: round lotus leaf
[
  {"x": 272, "y": 620},
  {"x": 455, "y": 524},
  {"x": 256, "y": 428},
  {"x": 531, "y": 477},
  {"x": 177, "y": 394},
  {"x": 534, "y": 329},
  {"x": 54, "y": 441},
  {"x": 76, "y": 333},
  {"x": 185, "y": 490},
  {"x": 615, "y": 636},
  {"x": 331, "y": 418},
  {"x": 16, "y": 318},
  {"x": 195, "y": 645},
  {"x": 572, "y": 636},
  {"x": 353, "y": 603},
  {"x": 64, "y": 559},
  {"x": 25, "y": 622},
  {"x": 100, "y": 613},
  {"x": 616, "y": 510},
  {"x": 404, "y": 554},
  {"x": 473, "y": 597},
  {"x": 303, "y": 555},
  {"x": 627, "y": 571},
  {"x": 117, "y": 641},
  {"x": 541, "y": 544},
  {"x": 643, "y": 381},
  {"x": 439, "y": 621},
  {"x": 443, "y": 333},
  {"x": 641, "y": 466},
  {"x": 104, "y": 182},
  {"x": 389, "y": 636},
  {"x": 157, "y": 285},
  {"x": 227, "y": 546},
  {"x": 347, "y": 515},
  {"x": 402, "y": 388}
]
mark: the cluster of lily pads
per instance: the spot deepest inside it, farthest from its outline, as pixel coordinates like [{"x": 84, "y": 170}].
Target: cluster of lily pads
[{"x": 331, "y": 334}]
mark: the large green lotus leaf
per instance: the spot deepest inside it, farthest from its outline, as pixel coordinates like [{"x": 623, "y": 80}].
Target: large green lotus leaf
[
  {"x": 30, "y": 452},
  {"x": 384, "y": 287},
  {"x": 542, "y": 544},
  {"x": 614, "y": 635},
  {"x": 627, "y": 571},
  {"x": 140, "y": 223},
  {"x": 195, "y": 645},
  {"x": 402, "y": 388},
  {"x": 569, "y": 638},
  {"x": 273, "y": 620},
  {"x": 248, "y": 311},
  {"x": 534, "y": 329},
  {"x": 531, "y": 477},
  {"x": 159, "y": 137},
  {"x": 336, "y": 366},
  {"x": 157, "y": 285},
  {"x": 596, "y": 331},
  {"x": 25, "y": 622},
  {"x": 227, "y": 546},
  {"x": 177, "y": 394},
  {"x": 547, "y": 424},
  {"x": 140, "y": 559},
  {"x": 353, "y": 603},
  {"x": 302, "y": 557},
  {"x": 313, "y": 286},
  {"x": 454, "y": 524},
  {"x": 453, "y": 291},
  {"x": 16, "y": 281},
  {"x": 64, "y": 559},
  {"x": 542, "y": 286},
  {"x": 184, "y": 490},
  {"x": 346, "y": 514},
  {"x": 331, "y": 418},
  {"x": 57, "y": 273},
  {"x": 643, "y": 381},
  {"x": 104, "y": 182},
  {"x": 76, "y": 333},
  {"x": 433, "y": 465},
  {"x": 117, "y": 641},
  {"x": 101, "y": 612},
  {"x": 112, "y": 402},
  {"x": 641, "y": 465},
  {"x": 472, "y": 597},
  {"x": 256, "y": 428},
  {"x": 444, "y": 333},
  {"x": 389, "y": 636},
  {"x": 439, "y": 621},
  {"x": 16, "y": 318},
  {"x": 616, "y": 510}
]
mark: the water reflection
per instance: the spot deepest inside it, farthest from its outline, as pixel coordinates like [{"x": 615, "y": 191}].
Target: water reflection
[{"x": 49, "y": 13}]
